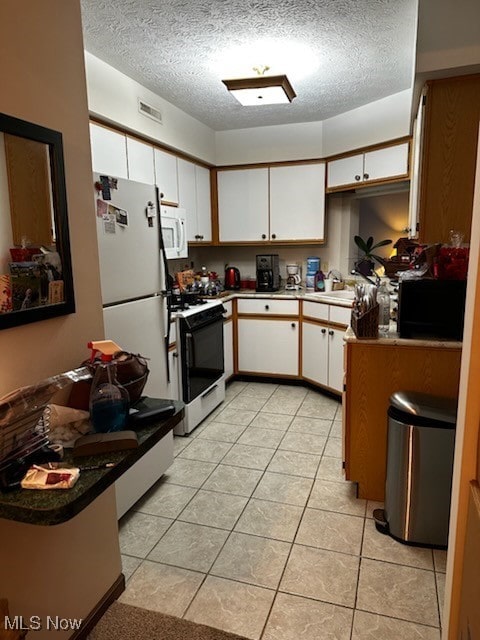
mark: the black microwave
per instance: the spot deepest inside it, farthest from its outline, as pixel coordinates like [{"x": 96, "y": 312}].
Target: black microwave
[{"x": 429, "y": 308}]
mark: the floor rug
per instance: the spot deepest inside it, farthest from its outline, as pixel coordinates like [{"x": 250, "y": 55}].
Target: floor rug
[{"x": 125, "y": 622}]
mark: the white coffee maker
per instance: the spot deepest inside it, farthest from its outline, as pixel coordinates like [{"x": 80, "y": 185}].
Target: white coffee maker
[{"x": 293, "y": 277}]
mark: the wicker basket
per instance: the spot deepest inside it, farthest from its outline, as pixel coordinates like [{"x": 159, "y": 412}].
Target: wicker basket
[{"x": 366, "y": 326}]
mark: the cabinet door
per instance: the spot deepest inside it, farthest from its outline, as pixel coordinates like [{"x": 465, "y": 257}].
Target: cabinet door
[
  {"x": 243, "y": 205},
  {"x": 268, "y": 346},
  {"x": 109, "y": 151},
  {"x": 335, "y": 358},
  {"x": 297, "y": 202},
  {"x": 204, "y": 208},
  {"x": 166, "y": 176},
  {"x": 228, "y": 348},
  {"x": 345, "y": 171},
  {"x": 315, "y": 352},
  {"x": 140, "y": 161},
  {"x": 187, "y": 196},
  {"x": 389, "y": 162}
]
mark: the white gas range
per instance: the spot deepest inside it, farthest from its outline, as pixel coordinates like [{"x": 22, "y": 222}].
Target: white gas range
[{"x": 199, "y": 331}]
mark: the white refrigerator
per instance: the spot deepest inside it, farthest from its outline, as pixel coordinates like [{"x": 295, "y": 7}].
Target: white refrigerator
[
  {"x": 132, "y": 275},
  {"x": 135, "y": 312}
]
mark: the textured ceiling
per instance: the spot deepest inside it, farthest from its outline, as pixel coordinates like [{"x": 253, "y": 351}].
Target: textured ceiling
[{"x": 180, "y": 49}]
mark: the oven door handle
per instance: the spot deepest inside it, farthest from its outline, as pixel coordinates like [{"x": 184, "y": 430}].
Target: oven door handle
[
  {"x": 207, "y": 393},
  {"x": 190, "y": 347}
]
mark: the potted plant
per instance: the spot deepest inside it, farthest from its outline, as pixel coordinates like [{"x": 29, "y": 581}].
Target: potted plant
[{"x": 366, "y": 263}]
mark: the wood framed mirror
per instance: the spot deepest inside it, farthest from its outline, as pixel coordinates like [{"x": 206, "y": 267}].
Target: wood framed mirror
[{"x": 35, "y": 264}]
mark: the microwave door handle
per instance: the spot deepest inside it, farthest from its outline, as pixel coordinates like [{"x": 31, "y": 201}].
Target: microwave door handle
[{"x": 181, "y": 242}]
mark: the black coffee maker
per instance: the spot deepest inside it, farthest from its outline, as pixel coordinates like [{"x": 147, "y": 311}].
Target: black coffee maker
[{"x": 268, "y": 273}]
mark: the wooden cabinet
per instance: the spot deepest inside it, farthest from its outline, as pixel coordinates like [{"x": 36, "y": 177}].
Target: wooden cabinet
[
  {"x": 243, "y": 205},
  {"x": 194, "y": 197},
  {"x": 109, "y": 151},
  {"x": 268, "y": 336},
  {"x": 322, "y": 344},
  {"x": 378, "y": 165},
  {"x": 166, "y": 177},
  {"x": 140, "y": 161},
  {"x": 375, "y": 370},
  {"x": 272, "y": 204},
  {"x": 452, "y": 113}
]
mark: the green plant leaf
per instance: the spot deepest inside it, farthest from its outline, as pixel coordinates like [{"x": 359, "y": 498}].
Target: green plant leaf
[
  {"x": 382, "y": 243},
  {"x": 378, "y": 258},
  {"x": 360, "y": 242}
]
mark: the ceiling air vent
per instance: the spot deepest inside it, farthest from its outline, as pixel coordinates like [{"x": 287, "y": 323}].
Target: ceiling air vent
[{"x": 149, "y": 111}]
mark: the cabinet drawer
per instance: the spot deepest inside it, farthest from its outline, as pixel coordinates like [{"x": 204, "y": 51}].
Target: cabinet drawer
[
  {"x": 315, "y": 310},
  {"x": 228, "y": 308},
  {"x": 341, "y": 315},
  {"x": 269, "y": 307}
]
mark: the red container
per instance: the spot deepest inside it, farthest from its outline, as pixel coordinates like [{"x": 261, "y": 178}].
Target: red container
[
  {"x": 23, "y": 254},
  {"x": 452, "y": 263}
]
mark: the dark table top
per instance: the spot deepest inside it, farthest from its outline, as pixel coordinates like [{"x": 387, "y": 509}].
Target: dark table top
[{"x": 54, "y": 506}]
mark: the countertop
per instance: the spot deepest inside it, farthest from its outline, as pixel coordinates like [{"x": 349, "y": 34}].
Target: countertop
[
  {"x": 282, "y": 294},
  {"x": 393, "y": 339},
  {"x": 54, "y": 506}
]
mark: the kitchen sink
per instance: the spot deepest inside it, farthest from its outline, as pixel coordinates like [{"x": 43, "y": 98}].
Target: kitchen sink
[{"x": 342, "y": 294}]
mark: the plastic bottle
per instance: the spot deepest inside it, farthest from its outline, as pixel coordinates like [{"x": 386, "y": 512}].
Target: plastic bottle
[
  {"x": 383, "y": 299},
  {"x": 109, "y": 400}
]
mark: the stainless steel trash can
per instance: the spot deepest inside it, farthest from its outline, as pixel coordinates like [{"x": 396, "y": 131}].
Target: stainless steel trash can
[{"x": 420, "y": 448}]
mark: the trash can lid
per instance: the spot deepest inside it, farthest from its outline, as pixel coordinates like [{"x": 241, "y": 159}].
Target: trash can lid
[{"x": 423, "y": 405}]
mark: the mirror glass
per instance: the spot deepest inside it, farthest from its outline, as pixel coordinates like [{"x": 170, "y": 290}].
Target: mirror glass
[{"x": 35, "y": 264}]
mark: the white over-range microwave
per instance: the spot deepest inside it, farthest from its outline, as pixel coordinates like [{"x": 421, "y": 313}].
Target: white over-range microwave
[{"x": 174, "y": 231}]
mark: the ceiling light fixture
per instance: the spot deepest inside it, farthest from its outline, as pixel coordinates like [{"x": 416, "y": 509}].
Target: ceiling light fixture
[{"x": 261, "y": 89}]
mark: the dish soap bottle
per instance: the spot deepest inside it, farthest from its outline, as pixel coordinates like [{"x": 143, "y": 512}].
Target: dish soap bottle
[
  {"x": 383, "y": 299},
  {"x": 319, "y": 282},
  {"x": 109, "y": 401}
]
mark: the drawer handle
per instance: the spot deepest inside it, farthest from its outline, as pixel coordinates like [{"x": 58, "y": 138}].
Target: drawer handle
[
  {"x": 267, "y": 307},
  {"x": 366, "y": 176},
  {"x": 263, "y": 236},
  {"x": 330, "y": 333},
  {"x": 357, "y": 178},
  {"x": 174, "y": 354},
  {"x": 324, "y": 331},
  {"x": 294, "y": 326},
  {"x": 274, "y": 235},
  {"x": 207, "y": 393}
]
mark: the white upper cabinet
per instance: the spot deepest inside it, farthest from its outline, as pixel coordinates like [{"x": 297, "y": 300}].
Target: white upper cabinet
[
  {"x": 386, "y": 163},
  {"x": 204, "y": 203},
  {"x": 297, "y": 202},
  {"x": 345, "y": 171},
  {"x": 276, "y": 204},
  {"x": 194, "y": 197},
  {"x": 381, "y": 164},
  {"x": 243, "y": 205},
  {"x": 140, "y": 161},
  {"x": 109, "y": 151},
  {"x": 166, "y": 177}
]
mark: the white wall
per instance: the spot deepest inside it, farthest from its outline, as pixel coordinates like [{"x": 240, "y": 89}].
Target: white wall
[
  {"x": 114, "y": 96},
  {"x": 376, "y": 122},
  {"x": 6, "y": 236},
  {"x": 269, "y": 144}
]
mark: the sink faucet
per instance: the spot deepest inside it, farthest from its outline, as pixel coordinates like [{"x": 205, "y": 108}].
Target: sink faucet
[{"x": 375, "y": 283}]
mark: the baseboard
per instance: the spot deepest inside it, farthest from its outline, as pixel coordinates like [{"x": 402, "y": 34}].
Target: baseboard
[{"x": 117, "y": 588}]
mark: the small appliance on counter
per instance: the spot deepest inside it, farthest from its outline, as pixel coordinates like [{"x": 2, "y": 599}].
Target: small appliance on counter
[
  {"x": 232, "y": 279},
  {"x": 268, "y": 273},
  {"x": 313, "y": 266},
  {"x": 431, "y": 308},
  {"x": 293, "y": 277}
]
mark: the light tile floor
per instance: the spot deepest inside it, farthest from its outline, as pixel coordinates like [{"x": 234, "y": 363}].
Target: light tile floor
[{"x": 254, "y": 530}]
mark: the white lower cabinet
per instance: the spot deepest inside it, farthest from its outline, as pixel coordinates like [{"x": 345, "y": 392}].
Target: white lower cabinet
[
  {"x": 228, "y": 348},
  {"x": 322, "y": 355},
  {"x": 268, "y": 346}
]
